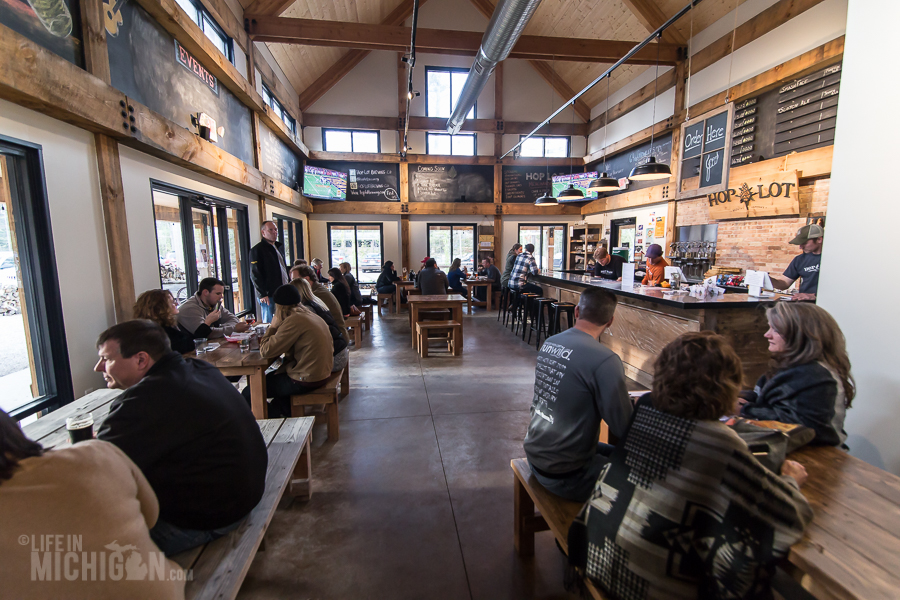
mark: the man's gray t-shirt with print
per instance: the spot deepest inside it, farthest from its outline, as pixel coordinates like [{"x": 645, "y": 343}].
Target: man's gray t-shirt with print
[{"x": 578, "y": 383}]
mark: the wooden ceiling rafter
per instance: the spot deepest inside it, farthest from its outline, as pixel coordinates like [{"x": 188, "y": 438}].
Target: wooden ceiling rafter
[{"x": 651, "y": 17}]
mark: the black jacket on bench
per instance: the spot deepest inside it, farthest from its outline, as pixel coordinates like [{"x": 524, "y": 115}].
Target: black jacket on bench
[{"x": 194, "y": 437}]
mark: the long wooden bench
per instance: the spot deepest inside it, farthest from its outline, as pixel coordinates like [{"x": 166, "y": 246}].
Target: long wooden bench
[
  {"x": 554, "y": 513},
  {"x": 328, "y": 395}
]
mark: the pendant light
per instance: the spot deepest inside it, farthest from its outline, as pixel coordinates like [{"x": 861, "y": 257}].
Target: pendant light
[
  {"x": 651, "y": 169},
  {"x": 547, "y": 199},
  {"x": 571, "y": 194},
  {"x": 604, "y": 183}
]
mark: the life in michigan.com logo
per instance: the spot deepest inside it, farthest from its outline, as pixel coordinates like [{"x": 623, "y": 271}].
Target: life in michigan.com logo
[{"x": 62, "y": 558}]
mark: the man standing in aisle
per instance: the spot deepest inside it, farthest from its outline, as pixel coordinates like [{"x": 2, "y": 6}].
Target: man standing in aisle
[
  {"x": 524, "y": 266},
  {"x": 267, "y": 269},
  {"x": 579, "y": 382},
  {"x": 804, "y": 266}
]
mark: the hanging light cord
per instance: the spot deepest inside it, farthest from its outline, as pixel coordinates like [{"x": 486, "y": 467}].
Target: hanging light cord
[
  {"x": 687, "y": 116},
  {"x": 606, "y": 122},
  {"x": 731, "y": 63},
  {"x": 655, "y": 88}
]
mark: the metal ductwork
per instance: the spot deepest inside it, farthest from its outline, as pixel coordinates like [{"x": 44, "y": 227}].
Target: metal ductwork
[{"x": 502, "y": 33}]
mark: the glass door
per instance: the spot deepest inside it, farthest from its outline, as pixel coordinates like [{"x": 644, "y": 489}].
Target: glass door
[
  {"x": 451, "y": 241},
  {"x": 361, "y": 245},
  {"x": 549, "y": 244}
]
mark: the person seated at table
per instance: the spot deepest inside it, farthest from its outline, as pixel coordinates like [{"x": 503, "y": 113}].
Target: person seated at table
[
  {"x": 455, "y": 276},
  {"x": 202, "y": 306},
  {"x": 606, "y": 265},
  {"x": 318, "y": 265},
  {"x": 491, "y": 272},
  {"x": 160, "y": 307},
  {"x": 341, "y": 345},
  {"x": 321, "y": 292},
  {"x": 341, "y": 290},
  {"x": 511, "y": 256},
  {"x": 91, "y": 492},
  {"x": 431, "y": 281},
  {"x": 299, "y": 263},
  {"x": 656, "y": 266},
  {"x": 684, "y": 509},
  {"x": 385, "y": 283},
  {"x": 304, "y": 340},
  {"x": 188, "y": 430},
  {"x": 579, "y": 383},
  {"x": 356, "y": 296},
  {"x": 809, "y": 380},
  {"x": 524, "y": 266}
]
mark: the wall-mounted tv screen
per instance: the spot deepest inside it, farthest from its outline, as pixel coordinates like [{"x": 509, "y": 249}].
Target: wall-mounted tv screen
[
  {"x": 579, "y": 180},
  {"x": 324, "y": 184}
]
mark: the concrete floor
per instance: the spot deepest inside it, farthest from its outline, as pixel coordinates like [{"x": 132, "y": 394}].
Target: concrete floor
[{"x": 415, "y": 500}]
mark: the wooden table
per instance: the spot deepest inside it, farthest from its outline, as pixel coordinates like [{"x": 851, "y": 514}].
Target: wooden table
[
  {"x": 401, "y": 285},
  {"x": 452, "y": 301},
  {"x": 473, "y": 284},
  {"x": 229, "y": 359}
]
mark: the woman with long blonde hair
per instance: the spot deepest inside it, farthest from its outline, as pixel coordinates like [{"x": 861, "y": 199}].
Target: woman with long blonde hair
[
  {"x": 809, "y": 380},
  {"x": 160, "y": 307}
]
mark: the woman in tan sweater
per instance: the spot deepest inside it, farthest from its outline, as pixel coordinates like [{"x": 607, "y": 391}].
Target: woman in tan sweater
[
  {"x": 304, "y": 339},
  {"x": 76, "y": 524}
]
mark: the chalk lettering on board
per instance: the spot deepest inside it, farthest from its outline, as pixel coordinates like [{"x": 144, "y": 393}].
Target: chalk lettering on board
[{"x": 711, "y": 161}]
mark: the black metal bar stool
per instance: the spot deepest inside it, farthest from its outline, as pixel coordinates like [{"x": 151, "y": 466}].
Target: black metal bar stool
[
  {"x": 538, "y": 322},
  {"x": 558, "y": 308},
  {"x": 504, "y": 304},
  {"x": 509, "y": 318},
  {"x": 520, "y": 315}
]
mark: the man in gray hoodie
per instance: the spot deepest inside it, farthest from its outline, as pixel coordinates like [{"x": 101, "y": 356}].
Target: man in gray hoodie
[{"x": 208, "y": 299}]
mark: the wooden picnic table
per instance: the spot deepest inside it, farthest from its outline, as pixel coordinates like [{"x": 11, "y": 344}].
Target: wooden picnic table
[
  {"x": 473, "y": 284},
  {"x": 452, "y": 301},
  {"x": 230, "y": 361},
  {"x": 401, "y": 285}
]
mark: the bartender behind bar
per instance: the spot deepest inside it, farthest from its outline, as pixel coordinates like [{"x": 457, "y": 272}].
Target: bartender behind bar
[
  {"x": 804, "y": 266},
  {"x": 606, "y": 265},
  {"x": 656, "y": 265}
]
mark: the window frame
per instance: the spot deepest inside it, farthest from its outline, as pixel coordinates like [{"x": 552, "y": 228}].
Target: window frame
[
  {"x": 278, "y": 108},
  {"x": 295, "y": 227},
  {"x": 544, "y": 139},
  {"x": 474, "y": 227},
  {"x": 40, "y": 281},
  {"x": 450, "y": 70},
  {"x": 205, "y": 16},
  {"x": 355, "y": 225},
  {"x": 543, "y": 226},
  {"x": 473, "y": 135},
  {"x": 189, "y": 199},
  {"x": 352, "y": 141}
]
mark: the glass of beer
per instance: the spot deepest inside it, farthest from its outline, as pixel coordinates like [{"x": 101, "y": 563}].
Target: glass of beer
[{"x": 80, "y": 427}]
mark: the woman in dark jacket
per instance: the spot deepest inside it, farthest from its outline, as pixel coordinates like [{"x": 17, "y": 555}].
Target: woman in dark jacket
[
  {"x": 385, "y": 283},
  {"x": 355, "y": 295},
  {"x": 511, "y": 256},
  {"x": 160, "y": 307},
  {"x": 340, "y": 289},
  {"x": 455, "y": 276},
  {"x": 809, "y": 382}
]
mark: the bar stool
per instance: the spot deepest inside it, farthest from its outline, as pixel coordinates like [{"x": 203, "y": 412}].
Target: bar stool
[
  {"x": 503, "y": 305},
  {"x": 513, "y": 309},
  {"x": 538, "y": 322},
  {"x": 558, "y": 308},
  {"x": 520, "y": 312},
  {"x": 527, "y": 311}
]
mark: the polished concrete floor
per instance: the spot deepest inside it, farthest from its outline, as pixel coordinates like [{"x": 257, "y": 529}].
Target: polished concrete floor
[{"x": 415, "y": 501}]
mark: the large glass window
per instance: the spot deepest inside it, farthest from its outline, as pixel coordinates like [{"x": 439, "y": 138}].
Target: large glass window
[
  {"x": 449, "y": 241},
  {"x": 199, "y": 237},
  {"x": 207, "y": 24},
  {"x": 272, "y": 102},
  {"x": 549, "y": 244},
  {"x": 541, "y": 146},
  {"x": 351, "y": 140},
  {"x": 361, "y": 245},
  {"x": 443, "y": 86},
  {"x": 461, "y": 144},
  {"x": 290, "y": 234},
  {"x": 34, "y": 372}
]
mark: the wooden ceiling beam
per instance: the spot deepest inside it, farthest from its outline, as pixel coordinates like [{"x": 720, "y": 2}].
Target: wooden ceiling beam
[
  {"x": 363, "y": 36},
  {"x": 437, "y": 124},
  {"x": 434, "y": 159},
  {"x": 651, "y": 17},
  {"x": 440, "y": 208}
]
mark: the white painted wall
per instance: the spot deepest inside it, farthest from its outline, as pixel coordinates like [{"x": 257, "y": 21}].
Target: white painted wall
[
  {"x": 370, "y": 89},
  {"x": 644, "y": 215},
  {"x": 865, "y": 313},
  {"x": 318, "y": 234}
]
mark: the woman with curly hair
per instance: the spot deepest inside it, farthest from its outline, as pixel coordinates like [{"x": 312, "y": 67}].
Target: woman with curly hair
[
  {"x": 160, "y": 307},
  {"x": 809, "y": 380}
]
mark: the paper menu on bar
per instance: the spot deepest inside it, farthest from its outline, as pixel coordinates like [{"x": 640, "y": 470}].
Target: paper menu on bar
[
  {"x": 757, "y": 281},
  {"x": 627, "y": 276}
]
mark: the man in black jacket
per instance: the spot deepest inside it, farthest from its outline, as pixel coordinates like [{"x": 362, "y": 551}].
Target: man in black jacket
[
  {"x": 189, "y": 431},
  {"x": 267, "y": 269}
]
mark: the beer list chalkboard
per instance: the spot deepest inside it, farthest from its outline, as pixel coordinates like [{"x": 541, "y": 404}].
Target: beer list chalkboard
[
  {"x": 451, "y": 183},
  {"x": 619, "y": 166},
  {"x": 527, "y": 184},
  {"x": 367, "y": 182}
]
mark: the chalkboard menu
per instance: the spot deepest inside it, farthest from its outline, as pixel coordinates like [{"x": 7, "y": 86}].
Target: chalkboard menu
[
  {"x": 367, "y": 182},
  {"x": 451, "y": 183},
  {"x": 148, "y": 65},
  {"x": 527, "y": 184},
  {"x": 704, "y": 151},
  {"x": 619, "y": 166},
  {"x": 277, "y": 160}
]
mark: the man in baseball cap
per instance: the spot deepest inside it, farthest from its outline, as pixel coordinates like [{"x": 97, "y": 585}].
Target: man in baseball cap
[
  {"x": 804, "y": 266},
  {"x": 656, "y": 265}
]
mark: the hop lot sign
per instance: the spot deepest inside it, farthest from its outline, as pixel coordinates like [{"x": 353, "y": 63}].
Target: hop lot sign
[{"x": 769, "y": 195}]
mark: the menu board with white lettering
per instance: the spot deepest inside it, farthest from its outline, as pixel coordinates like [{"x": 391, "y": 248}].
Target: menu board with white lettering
[
  {"x": 367, "y": 182},
  {"x": 451, "y": 183},
  {"x": 705, "y": 141}
]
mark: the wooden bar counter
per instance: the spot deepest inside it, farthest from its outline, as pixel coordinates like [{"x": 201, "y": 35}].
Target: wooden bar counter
[{"x": 646, "y": 320}]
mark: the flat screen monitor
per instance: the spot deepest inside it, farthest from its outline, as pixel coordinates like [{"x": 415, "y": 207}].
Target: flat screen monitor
[
  {"x": 324, "y": 184},
  {"x": 579, "y": 180}
]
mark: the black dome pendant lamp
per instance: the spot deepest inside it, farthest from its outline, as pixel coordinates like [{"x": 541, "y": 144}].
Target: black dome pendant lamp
[
  {"x": 571, "y": 193},
  {"x": 547, "y": 199},
  {"x": 604, "y": 183},
  {"x": 651, "y": 169}
]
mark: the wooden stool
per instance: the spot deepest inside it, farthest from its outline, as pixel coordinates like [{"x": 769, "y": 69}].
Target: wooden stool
[
  {"x": 355, "y": 326},
  {"x": 453, "y": 330},
  {"x": 367, "y": 311},
  {"x": 345, "y": 379},
  {"x": 390, "y": 300},
  {"x": 327, "y": 395}
]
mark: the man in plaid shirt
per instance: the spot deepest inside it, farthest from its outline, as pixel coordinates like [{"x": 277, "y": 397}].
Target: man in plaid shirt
[{"x": 524, "y": 265}]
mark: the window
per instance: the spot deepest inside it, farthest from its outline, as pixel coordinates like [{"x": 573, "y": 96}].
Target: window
[
  {"x": 347, "y": 140},
  {"x": 272, "y": 102},
  {"x": 290, "y": 234},
  {"x": 549, "y": 244},
  {"x": 449, "y": 241},
  {"x": 199, "y": 237},
  {"x": 213, "y": 31},
  {"x": 462, "y": 144},
  {"x": 34, "y": 373},
  {"x": 361, "y": 245},
  {"x": 541, "y": 146},
  {"x": 443, "y": 86}
]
